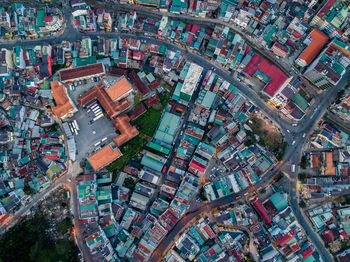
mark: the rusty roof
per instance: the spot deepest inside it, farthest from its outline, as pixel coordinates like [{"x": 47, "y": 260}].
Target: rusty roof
[
  {"x": 82, "y": 71},
  {"x": 127, "y": 131}
]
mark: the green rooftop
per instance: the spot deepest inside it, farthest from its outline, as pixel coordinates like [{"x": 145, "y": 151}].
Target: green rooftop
[
  {"x": 279, "y": 201},
  {"x": 300, "y": 102},
  {"x": 40, "y": 13},
  {"x": 167, "y": 129}
]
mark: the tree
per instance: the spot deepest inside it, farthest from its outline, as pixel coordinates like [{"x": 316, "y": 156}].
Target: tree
[
  {"x": 202, "y": 195},
  {"x": 54, "y": 127},
  {"x": 137, "y": 98},
  {"x": 248, "y": 143},
  {"x": 303, "y": 162},
  {"x": 302, "y": 204},
  {"x": 249, "y": 259},
  {"x": 27, "y": 190},
  {"x": 340, "y": 94},
  {"x": 129, "y": 183},
  {"x": 302, "y": 176},
  {"x": 280, "y": 155},
  {"x": 279, "y": 176}
]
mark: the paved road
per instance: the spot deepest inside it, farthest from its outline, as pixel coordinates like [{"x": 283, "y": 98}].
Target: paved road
[
  {"x": 74, "y": 205},
  {"x": 296, "y": 132},
  {"x": 35, "y": 200}
]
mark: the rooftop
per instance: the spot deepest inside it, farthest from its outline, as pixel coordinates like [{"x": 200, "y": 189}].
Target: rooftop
[
  {"x": 119, "y": 90},
  {"x": 127, "y": 131},
  {"x": 192, "y": 77},
  {"x": 98, "y": 92},
  {"x": 276, "y": 76},
  {"x": 71, "y": 74},
  {"x": 64, "y": 106},
  {"x": 103, "y": 157},
  {"x": 318, "y": 39}
]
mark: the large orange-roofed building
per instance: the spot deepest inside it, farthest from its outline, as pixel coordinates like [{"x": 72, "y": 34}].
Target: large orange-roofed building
[
  {"x": 99, "y": 93},
  {"x": 119, "y": 90},
  {"x": 316, "y": 40},
  {"x": 104, "y": 157}
]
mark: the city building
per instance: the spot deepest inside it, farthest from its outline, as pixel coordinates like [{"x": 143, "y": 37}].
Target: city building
[
  {"x": 83, "y": 72},
  {"x": 327, "y": 70},
  {"x": 104, "y": 157},
  {"x": 64, "y": 105},
  {"x": 314, "y": 43}
]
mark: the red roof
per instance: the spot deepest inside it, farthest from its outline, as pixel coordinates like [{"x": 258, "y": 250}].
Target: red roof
[
  {"x": 306, "y": 253},
  {"x": 138, "y": 110},
  {"x": 328, "y": 236},
  {"x": 188, "y": 27},
  {"x": 138, "y": 82},
  {"x": 4, "y": 217},
  {"x": 146, "y": 249},
  {"x": 262, "y": 211},
  {"x": 117, "y": 71},
  {"x": 152, "y": 100},
  {"x": 189, "y": 38},
  {"x": 211, "y": 251},
  {"x": 344, "y": 235},
  {"x": 48, "y": 18},
  {"x": 286, "y": 238},
  {"x": 295, "y": 247},
  {"x": 195, "y": 29},
  {"x": 209, "y": 232},
  {"x": 326, "y": 7},
  {"x": 296, "y": 34},
  {"x": 281, "y": 47},
  {"x": 154, "y": 84},
  {"x": 198, "y": 166},
  {"x": 23, "y": 170},
  {"x": 277, "y": 77},
  {"x": 127, "y": 131},
  {"x": 52, "y": 157}
]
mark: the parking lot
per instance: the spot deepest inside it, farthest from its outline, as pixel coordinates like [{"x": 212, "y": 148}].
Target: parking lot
[
  {"x": 81, "y": 87},
  {"x": 91, "y": 132}
]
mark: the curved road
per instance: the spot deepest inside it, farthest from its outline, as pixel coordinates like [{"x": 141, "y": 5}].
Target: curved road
[{"x": 296, "y": 131}]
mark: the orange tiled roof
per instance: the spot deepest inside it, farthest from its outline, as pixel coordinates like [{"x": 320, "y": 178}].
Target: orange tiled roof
[
  {"x": 98, "y": 92},
  {"x": 318, "y": 40},
  {"x": 330, "y": 168},
  {"x": 103, "y": 157},
  {"x": 127, "y": 131},
  {"x": 119, "y": 90},
  {"x": 63, "y": 105}
]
